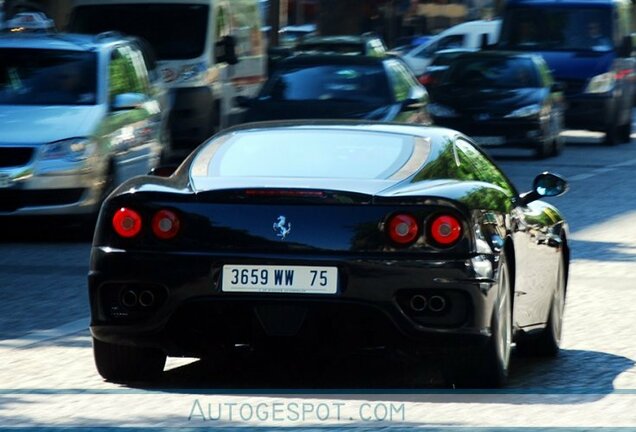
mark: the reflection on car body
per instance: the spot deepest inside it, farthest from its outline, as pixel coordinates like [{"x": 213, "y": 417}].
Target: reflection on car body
[
  {"x": 78, "y": 115},
  {"x": 366, "y": 234},
  {"x": 501, "y": 98}
]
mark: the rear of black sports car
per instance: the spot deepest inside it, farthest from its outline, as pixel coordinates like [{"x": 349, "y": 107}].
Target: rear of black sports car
[{"x": 193, "y": 273}]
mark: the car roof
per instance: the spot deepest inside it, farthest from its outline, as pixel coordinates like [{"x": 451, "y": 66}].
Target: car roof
[
  {"x": 497, "y": 54},
  {"x": 59, "y": 41},
  {"x": 335, "y": 40},
  {"x": 433, "y": 132},
  {"x": 330, "y": 59}
]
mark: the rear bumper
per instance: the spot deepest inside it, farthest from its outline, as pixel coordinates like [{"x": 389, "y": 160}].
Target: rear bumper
[
  {"x": 590, "y": 112},
  {"x": 191, "y": 314}
]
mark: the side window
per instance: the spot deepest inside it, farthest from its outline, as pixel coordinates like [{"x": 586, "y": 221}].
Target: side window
[
  {"x": 544, "y": 73},
  {"x": 127, "y": 72},
  {"x": 480, "y": 168},
  {"x": 451, "y": 41},
  {"x": 222, "y": 24},
  {"x": 399, "y": 80}
]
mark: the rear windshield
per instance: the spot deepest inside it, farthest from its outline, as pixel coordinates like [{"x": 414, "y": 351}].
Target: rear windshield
[
  {"x": 493, "y": 72},
  {"x": 47, "y": 77},
  {"x": 306, "y": 154},
  {"x": 557, "y": 28},
  {"x": 348, "y": 83},
  {"x": 175, "y": 31}
]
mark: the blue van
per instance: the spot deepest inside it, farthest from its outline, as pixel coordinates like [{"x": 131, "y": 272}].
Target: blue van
[{"x": 588, "y": 46}]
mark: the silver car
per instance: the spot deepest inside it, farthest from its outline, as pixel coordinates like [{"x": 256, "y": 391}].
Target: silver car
[{"x": 78, "y": 116}]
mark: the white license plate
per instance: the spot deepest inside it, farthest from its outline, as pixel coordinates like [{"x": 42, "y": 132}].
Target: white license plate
[
  {"x": 489, "y": 140},
  {"x": 5, "y": 181},
  {"x": 280, "y": 279}
]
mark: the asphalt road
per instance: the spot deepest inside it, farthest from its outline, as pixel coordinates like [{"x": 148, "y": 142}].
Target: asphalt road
[{"x": 47, "y": 377}]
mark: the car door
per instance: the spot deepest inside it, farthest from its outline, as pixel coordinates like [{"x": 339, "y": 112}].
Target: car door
[
  {"x": 534, "y": 245},
  {"x": 408, "y": 93},
  {"x": 133, "y": 125}
]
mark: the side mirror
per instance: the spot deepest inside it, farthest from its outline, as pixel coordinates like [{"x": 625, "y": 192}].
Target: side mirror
[
  {"x": 243, "y": 101},
  {"x": 163, "y": 171},
  {"x": 545, "y": 185},
  {"x": 225, "y": 51},
  {"x": 416, "y": 99},
  {"x": 128, "y": 101}
]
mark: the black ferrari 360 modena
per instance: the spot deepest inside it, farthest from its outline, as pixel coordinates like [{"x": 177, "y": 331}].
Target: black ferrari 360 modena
[{"x": 334, "y": 236}]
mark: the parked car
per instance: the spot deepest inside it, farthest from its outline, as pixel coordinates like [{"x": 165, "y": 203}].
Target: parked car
[
  {"x": 78, "y": 116},
  {"x": 196, "y": 43},
  {"x": 339, "y": 87},
  {"x": 433, "y": 74},
  {"x": 366, "y": 44},
  {"x": 502, "y": 99},
  {"x": 471, "y": 34},
  {"x": 588, "y": 46},
  {"x": 329, "y": 235}
]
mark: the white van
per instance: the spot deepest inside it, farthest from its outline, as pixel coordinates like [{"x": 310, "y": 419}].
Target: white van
[
  {"x": 208, "y": 52},
  {"x": 464, "y": 35}
]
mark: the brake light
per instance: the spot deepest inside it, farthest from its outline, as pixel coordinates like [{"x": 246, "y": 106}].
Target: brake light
[
  {"x": 403, "y": 229},
  {"x": 126, "y": 222},
  {"x": 426, "y": 79},
  {"x": 445, "y": 230},
  {"x": 165, "y": 224}
]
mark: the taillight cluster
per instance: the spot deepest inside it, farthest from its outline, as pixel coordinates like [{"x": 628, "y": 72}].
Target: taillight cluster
[
  {"x": 128, "y": 223},
  {"x": 443, "y": 230}
]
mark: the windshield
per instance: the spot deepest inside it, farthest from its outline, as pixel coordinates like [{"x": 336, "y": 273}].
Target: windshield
[
  {"x": 493, "y": 72},
  {"x": 553, "y": 29},
  {"x": 348, "y": 83},
  {"x": 307, "y": 153},
  {"x": 175, "y": 31},
  {"x": 47, "y": 77}
]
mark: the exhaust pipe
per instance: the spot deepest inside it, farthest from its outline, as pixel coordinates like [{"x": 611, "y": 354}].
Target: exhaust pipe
[
  {"x": 437, "y": 304},
  {"x": 129, "y": 299},
  {"x": 146, "y": 298},
  {"x": 418, "y": 303}
]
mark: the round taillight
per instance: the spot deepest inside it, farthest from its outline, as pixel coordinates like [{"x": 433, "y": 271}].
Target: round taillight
[
  {"x": 126, "y": 222},
  {"x": 446, "y": 230},
  {"x": 403, "y": 229},
  {"x": 165, "y": 224}
]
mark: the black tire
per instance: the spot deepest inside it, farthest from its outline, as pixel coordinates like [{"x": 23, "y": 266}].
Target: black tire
[
  {"x": 543, "y": 149},
  {"x": 557, "y": 146},
  {"x": 611, "y": 134},
  {"x": 122, "y": 364},
  {"x": 547, "y": 342},
  {"x": 487, "y": 367},
  {"x": 625, "y": 132},
  {"x": 109, "y": 181}
]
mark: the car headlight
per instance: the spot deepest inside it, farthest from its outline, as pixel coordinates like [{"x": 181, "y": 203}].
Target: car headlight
[
  {"x": 526, "y": 111},
  {"x": 602, "y": 83},
  {"x": 73, "y": 150},
  {"x": 437, "y": 110}
]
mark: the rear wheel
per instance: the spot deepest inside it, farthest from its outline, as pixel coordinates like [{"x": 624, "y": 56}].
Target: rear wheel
[
  {"x": 625, "y": 132},
  {"x": 544, "y": 149},
  {"x": 547, "y": 342},
  {"x": 121, "y": 363},
  {"x": 489, "y": 368},
  {"x": 611, "y": 133}
]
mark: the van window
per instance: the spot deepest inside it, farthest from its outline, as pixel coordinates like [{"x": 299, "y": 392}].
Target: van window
[
  {"x": 558, "y": 28},
  {"x": 445, "y": 42},
  {"x": 175, "y": 31}
]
